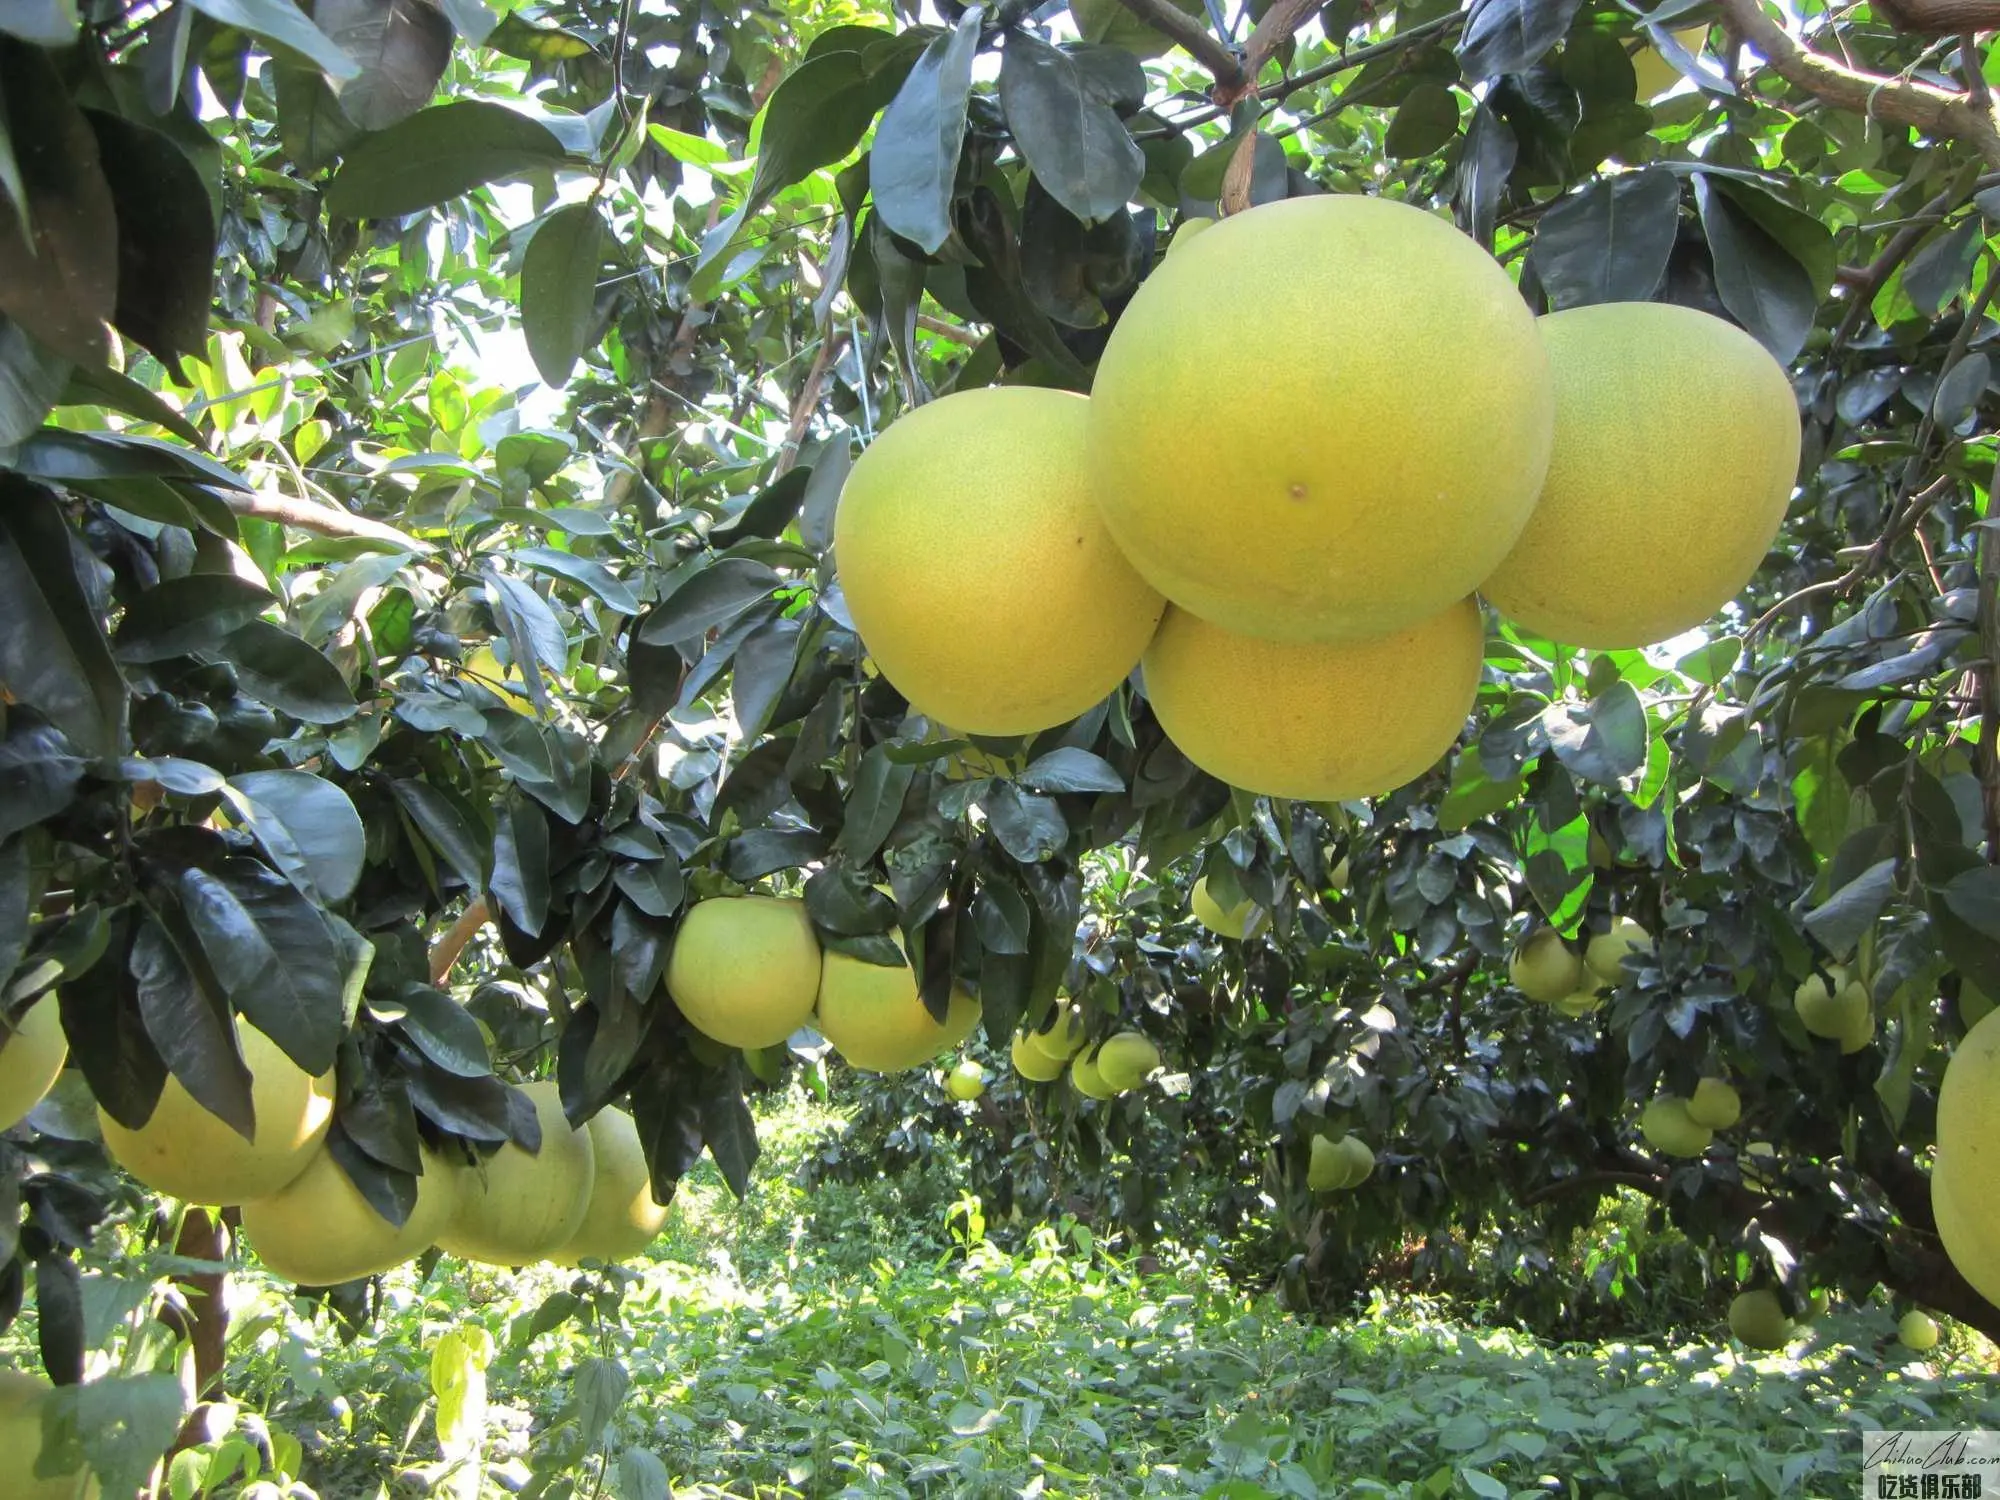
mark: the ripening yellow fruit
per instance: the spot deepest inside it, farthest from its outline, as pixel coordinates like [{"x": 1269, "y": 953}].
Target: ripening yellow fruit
[
  {"x": 1360, "y": 1160},
  {"x": 1758, "y": 1320},
  {"x": 876, "y": 1019},
  {"x": 31, "y": 1060},
  {"x": 1715, "y": 1104},
  {"x": 319, "y": 1231},
  {"x": 1840, "y": 1011},
  {"x": 1380, "y": 479},
  {"x": 514, "y": 1208},
  {"x": 21, "y": 1444},
  {"x": 1652, "y": 74},
  {"x": 1918, "y": 1331},
  {"x": 1605, "y": 953},
  {"x": 1668, "y": 1128},
  {"x": 622, "y": 1216},
  {"x": 1245, "y": 919},
  {"x": 1968, "y": 1158},
  {"x": 978, "y": 572},
  {"x": 1062, "y": 1037},
  {"x": 1126, "y": 1060},
  {"x": 1584, "y": 1002},
  {"x": 1315, "y": 721},
  {"x": 1032, "y": 1063},
  {"x": 1085, "y": 1078},
  {"x": 1677, "y": 440},
  {"x": 186, "y": 1152},
  {"x": 965, "y": 1082},
  {"x": 1545, "y": 968},
  {"x": 745, "y": 970}
]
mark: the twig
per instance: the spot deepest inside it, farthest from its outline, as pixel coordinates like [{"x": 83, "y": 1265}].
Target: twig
[
  {"x": 807, "y": 399},
  {"x": 1939, "y": 112},
  {"x": 1271, "y": 33},
  {"x": 1969, "y": 70},
  {"x": 1865, "y": 281},
  {"x": 1168, "y": 19},
  {"x": 445, "y": 951},
  {"x": 322, "y": 520},
  {"x": 945, "y": 328}
]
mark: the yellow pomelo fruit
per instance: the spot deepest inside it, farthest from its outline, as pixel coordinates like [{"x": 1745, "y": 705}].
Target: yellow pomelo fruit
[
  {"x": 1328, "y": 1168},
  {"x": 31, "y": 1059},
  {"x": 1652, "y": 74},
  {"x": 1839, "y": 1010},
  {"x": 1242, "y": 920},
  {"x": 514, "y": 1208},
  {"x": 507, "y": 682},
  {"x": 1187, "y": 230},
  {"x": 1860, "y": 1033},
  {"x": 1968, "y": 1158},
  {"x": 1917, "y": 1330},
  {"x": 319, "y": 1231},
  {"x": 1032, "y": 1063},
  {"x": 1359, "y": 1158},
  {"x": 745, "y": 970},
  {"x": 21, "y": 1444},
  {"x": 1370, "y": 484},
  {"x": 1677, "y": 440},
  {"x": 1758, "y": 1320},
  {"x": 1085, "y": 1078},
  {"x": 978, "y": 572},
  {"x": 965, "y": 1082},
  {"x": 1580, "y": 1004},
  {"x": 1605, "y": 953},
  {"x": 1544, "y": 968},
  {"x": 1668, "y": 1128},
  {"x": 1062, "y": 1038},
  {"x": 876, "y": 1020},
  {"x": 1321, "y": 722},
  {"x": 1715, "y": 1105},
  {"x": 622, "y": 1217},
  {"x": 186, "y": 1152},
  {"x": 1126, "y": 1061}
]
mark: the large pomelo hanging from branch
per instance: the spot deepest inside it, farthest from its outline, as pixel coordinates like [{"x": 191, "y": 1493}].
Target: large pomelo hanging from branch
[
  {"x": 1322, "y": 722},
  {"x": 1677, "y": 441},
  {"x": 1324, "y": 419},
  {"x": 976, "y": 569}
]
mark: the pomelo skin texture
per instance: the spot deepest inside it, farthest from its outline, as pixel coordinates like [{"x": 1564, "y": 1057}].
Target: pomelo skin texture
[
  {"x": 1965, "y": 1178},
  {"x": 623, "y": 1217},
  {"x": 876, "y": 1020},
  {"x": 514, "y": 1208},
  {"x": 31, "y": 1061},
  {"x": 21, "y": 1444},
  {"x": 1321, "y": 722},
  {"x": 1032, "y": 1063},
  {"x": 1677, "y": 441},
  {"x": 185, "y": 1152},
  {"x": 978, "y": 572},
  {"x": 1324, "y": 419},
  {"x": 745, "y": 969},
  {"x": 1545, "y": 968},
  {"x": 319, "y": 1231},
  {"x": 1758, "y": 1320},
  {"x": 1715, "y": 1105}
]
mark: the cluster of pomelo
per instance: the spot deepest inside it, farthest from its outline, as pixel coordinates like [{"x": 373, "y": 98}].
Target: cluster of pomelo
[
  {"x": 1117, "y": 1065},
  {"x": 585, "y": 1194},
  {"x": 1547, "y": 969},
  {"x": 1683, "y": 1125},
  {"x": 1336, "y": 1165},
  {"x": 1320, "y": 429}
]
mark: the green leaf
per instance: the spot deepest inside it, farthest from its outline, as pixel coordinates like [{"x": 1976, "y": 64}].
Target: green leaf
[
  {"x": 1602, "y": 741},
  {"x": 642, "y": 1476},
  {"x": 559, "y": 291},
  {"x": 1425, "y": 123},
  {"x": 1510, "y": 36},
  {"x": 1071, "y": 770},
  {"x": 53, "y": 655},
  {"x": 1473, "y": 794},
  {"x": 443, "y": 1030},
  {"x": 874, "y": 805},
  {"x": 308, "y": 827},
  {"x": 1058, "y": 104},
  {"x": 277, "y": 668},
  {"x": 1609, "y": 243},
  {"x": 312, "y": 127},
  {"x": 128, "y": 1422},
  {"x": 273, "y": 954},
  {"x": 1804, "y": 237},
  {"x": 121, "y": 393},
  {"x": 1759, "y": 280},
  {"x": 1845, "y": 917},
  {"x": 765, "y": 851},
  {"x": 402, "y": 47},
  {"x": 438, "y": 154},
  {"x": 761, "y": 672},
  {"x": 166, "y": 238},
  {"x": 1029, "y": 827},
  {"x": 285, "y": 25},
  {"x": 189, "y": 1020},
  {"x": 180, "y": 616},
  {"x": 914, "y": 164},
  {"x": 1974, "y": 897},
  {"x": 40, "y": 23},
  {"x": 727, "y": 1129},
  {"x": 520, "y": 880},
  {"x": 594, "y": 576},
  {"x": 711, "y": 597},
  {"x": 447, "y": 828},
  {"x": 32, "y": 381},
  {"x": 39, "y": 773},
  {"x": 1941, "y": 269}
]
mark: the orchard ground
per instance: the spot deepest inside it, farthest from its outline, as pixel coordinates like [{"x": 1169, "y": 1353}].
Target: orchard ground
[{"x": 881, "y": 1339}]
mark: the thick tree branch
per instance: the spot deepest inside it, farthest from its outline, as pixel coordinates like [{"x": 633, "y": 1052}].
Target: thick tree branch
[
  {"x": 445, "y": 951},
  {"x": 1940, "y": 17},
  {"x": 323, "y": 520},
  {"x": 1280, "y": 21},
  {"x": 1942, "y": 113},
  {"x": 1187, "y": 31}
]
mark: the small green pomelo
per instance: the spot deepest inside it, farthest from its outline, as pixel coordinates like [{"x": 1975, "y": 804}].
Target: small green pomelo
[
  {"x": 1715, "y": 1104},
  {"x": 1758, "y": 1320},
  {"x": 1606, "y": 952},
  {"x": 1032, "y": 1063},
  {"x": 1668, "y": 1128},
  {"x": 965, "y": 1082},
  {"x": 1126, "y": 1061},
  {"x": 1544, "y": 968}
]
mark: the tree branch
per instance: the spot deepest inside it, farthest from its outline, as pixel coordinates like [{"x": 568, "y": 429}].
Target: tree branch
[
  {"x": 1942, "y": 113},
  {"x": 1169, "y": 20},
  {"x": 807, "y": 399},
  {"x": 323, "y": 520},
  {"x": 445, "y": 951},
  {"x": 1271, "y": 33}
]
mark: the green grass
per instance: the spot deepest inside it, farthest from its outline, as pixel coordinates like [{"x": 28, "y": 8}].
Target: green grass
[{"x": 866, "y": 1341}]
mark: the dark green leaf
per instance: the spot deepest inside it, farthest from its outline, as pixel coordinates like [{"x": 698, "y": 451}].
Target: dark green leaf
[
  {"x": 1974, "y": 896},
  {"x": 657, "y": 887},
  {"x": 914, "y": 163},
  {"x": 191, "y": 1025},
  {"x": 444, "y": 1031},
  {"x": 39, "y": 773},
  {"x": 447, "y": 828},
  {"x": 1071, "y": 770},
  {"x": 1609, "y": 243},
  {"x": 765, "y": 851},
  {"x": 311, "y": 124},
  {"x": 308, "y": 827},
  {"x": 1844, "y": 918},
  {"x": 763, "y": 668},
  {"x": 281, "y": 22},
  {"x": 1425, "y": 123},
  {"x": 1029, "y": 827},
  {"x": 53, "y": 655},
  {"x": 273, "y": 953},
  {"x": 520, "y": 882},
  {"x": 1509, "y": 36},
  {"x": 873, "y": 805},
  {"x": 276, "y": 668},
  {"x": 559, "y": 292},
  {"x": 166, "y": 238},
  {"x": 1602, "y": 741},
  {"x": 840, "y": 899},
  {"x": 727, "y": 1129},
  {"x": 402, "y": 47},
  {"x": 1486, "y": 159},
  {"x": 1759, "y": 281},
  {"x": 1059, "y": 107},
  {"x": 1942, "y": 267},
  {"x": 709, "y": 598},
  {"x": 389, "y": 1190},
  {"x": 438, "y": 154},
  {"x": 179, "y": 616},
  {"x": 592, "y": 575},
  {"x": 121, "y": 393},
  {"x": 32, "y": 380}
]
